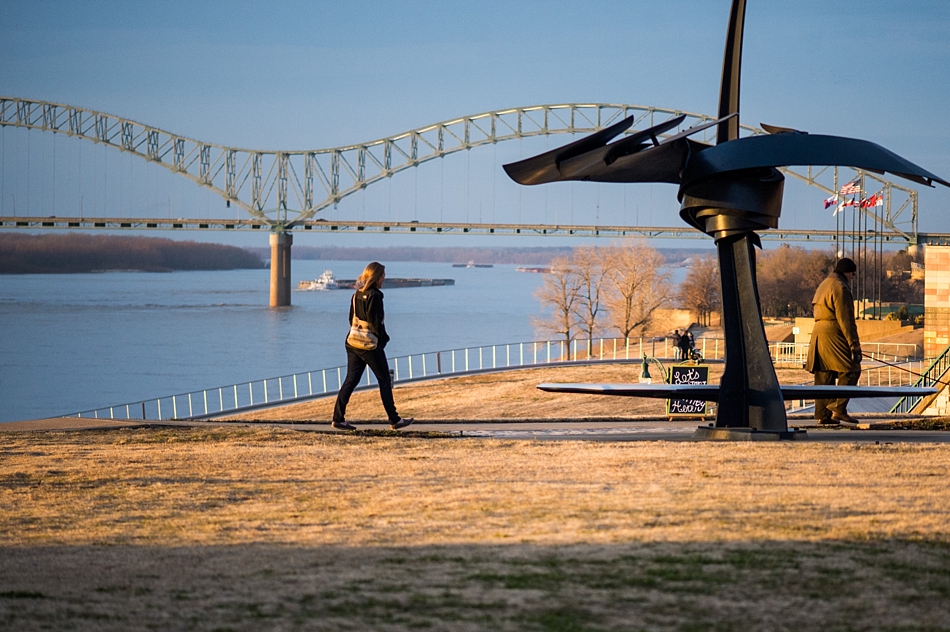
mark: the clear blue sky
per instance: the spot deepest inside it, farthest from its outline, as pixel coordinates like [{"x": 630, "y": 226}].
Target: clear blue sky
[{"x": 296, "y": 75}]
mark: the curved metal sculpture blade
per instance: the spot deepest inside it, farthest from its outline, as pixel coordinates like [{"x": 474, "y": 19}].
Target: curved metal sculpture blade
[
  {"x": 802, "y": 149},
  {"x": 728, "y": 191}
]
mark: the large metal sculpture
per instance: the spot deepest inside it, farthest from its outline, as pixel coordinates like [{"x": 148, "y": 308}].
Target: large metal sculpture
[{"x": 728, "y": 190}]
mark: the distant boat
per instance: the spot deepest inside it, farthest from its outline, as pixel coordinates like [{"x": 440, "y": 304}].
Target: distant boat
[
  {"x": 327, "y": 282},
  {"x": 472, "y": 264},
  {"x": 537, "y": 269},
  {"x": 324, "y": 282}
]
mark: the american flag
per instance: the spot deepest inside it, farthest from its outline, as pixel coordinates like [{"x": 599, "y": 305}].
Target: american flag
[{"x": 852, "y": 188}]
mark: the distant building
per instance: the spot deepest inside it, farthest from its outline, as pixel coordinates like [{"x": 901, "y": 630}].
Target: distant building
[{"x": 936, "y": 300}]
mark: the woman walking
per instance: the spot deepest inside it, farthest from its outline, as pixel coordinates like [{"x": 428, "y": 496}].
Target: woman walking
[{"x": 367, "y": 305}]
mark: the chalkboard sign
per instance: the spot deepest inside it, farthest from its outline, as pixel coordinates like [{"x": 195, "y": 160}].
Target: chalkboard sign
[{"x": 687, "y": 374}]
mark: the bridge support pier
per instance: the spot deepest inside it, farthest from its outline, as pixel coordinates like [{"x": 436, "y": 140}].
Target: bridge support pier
[{"x": 280, "y": 244}]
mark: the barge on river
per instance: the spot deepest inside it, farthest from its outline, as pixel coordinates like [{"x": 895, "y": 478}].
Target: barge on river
[{"x": 327, "y": 282}]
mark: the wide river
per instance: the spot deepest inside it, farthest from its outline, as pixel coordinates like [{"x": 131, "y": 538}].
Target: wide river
[{"x": 74, "y": 342}]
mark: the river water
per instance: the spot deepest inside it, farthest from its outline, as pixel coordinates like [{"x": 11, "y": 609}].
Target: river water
[{"x": 74, "y": 342}]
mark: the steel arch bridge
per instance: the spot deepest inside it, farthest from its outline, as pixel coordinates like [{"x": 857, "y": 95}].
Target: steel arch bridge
[{"x": 283, "y": 189}]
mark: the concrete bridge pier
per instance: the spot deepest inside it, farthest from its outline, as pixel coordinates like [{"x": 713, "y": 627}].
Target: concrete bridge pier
[{"x": 280, "y": 244}]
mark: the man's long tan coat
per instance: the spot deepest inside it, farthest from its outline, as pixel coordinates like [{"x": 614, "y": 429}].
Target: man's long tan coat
[{"x": 834, "y": 340}]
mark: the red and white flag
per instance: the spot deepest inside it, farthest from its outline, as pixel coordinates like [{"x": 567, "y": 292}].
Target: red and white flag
[{"x": 852, "y": 188}]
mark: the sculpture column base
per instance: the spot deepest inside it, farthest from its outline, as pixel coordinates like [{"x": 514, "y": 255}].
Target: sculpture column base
[{"x": 713, "y": 433}]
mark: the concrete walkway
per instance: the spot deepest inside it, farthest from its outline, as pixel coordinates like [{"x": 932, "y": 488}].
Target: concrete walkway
[{"x": 873, "y": 429}]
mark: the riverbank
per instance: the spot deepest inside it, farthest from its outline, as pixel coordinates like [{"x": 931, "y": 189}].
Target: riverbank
[{"x": 72, "y": 253}]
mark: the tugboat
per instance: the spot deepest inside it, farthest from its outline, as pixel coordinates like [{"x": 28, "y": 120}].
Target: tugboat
[
  {"x": 472, "y": 264},
  {"x": 324, "y": 282}
]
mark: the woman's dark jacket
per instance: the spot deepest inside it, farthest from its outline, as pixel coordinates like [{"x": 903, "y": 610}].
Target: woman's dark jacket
[{"x": 369, "y": 307}]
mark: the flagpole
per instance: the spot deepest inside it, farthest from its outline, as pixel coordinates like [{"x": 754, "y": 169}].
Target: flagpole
[
  {"x": 837, "y": 222},
  {"x": 863, "y": 245}
]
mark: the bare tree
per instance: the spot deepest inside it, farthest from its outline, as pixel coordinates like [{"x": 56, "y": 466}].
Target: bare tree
[
  {"x": 700, "y": 290},
  {"x": 589, "y": 267},
  {"x": 636, "y": 287},
  {"x": 787, "y": 277},
  {"x": 559, "y": 292}
]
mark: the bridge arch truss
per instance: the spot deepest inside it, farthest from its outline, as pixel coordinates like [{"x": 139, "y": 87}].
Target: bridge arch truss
[{"x": 286, "y": 188}]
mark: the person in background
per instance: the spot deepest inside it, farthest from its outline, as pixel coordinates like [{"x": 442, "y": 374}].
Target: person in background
[
  {"x": 677, "y": 352},
  {"x": 685, "y": 345},
  {"x": 835, "y": 350},
  {"x": 368, "y": 305}
]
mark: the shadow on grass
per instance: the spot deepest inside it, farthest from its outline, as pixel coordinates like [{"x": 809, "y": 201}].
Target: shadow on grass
[{"x": 887, "y": 585}]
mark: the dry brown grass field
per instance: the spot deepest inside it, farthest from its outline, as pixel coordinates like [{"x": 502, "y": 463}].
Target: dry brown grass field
[
  {"x": 237, "y": 528},
  {"x": 240, "y": 528}
]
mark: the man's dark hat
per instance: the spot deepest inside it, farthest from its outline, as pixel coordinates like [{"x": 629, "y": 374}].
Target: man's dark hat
[{"x": 845, "y": 265}]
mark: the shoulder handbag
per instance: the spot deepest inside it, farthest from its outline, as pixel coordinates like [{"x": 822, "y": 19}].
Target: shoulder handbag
[{"x": 361, "y": 336}]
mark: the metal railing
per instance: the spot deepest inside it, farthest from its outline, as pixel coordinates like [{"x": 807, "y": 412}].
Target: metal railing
[
  {"x": 930, "y": 377},
  {"x": 255, "y": 394},
  {"x": 880, "y": 375}
]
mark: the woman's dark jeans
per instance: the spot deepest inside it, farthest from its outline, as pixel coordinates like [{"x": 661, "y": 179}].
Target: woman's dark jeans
[{"x": 356, "y": 363}]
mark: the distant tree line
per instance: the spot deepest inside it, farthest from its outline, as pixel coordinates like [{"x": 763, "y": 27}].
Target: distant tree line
[
  {"x": 75, "y": 252},
  {"x": 788, "y": 275},
  {"x": 597, "y": 291}
]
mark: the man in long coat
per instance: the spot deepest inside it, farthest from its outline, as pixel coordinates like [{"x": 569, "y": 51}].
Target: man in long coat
[{"x": 835, "y": 350}]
